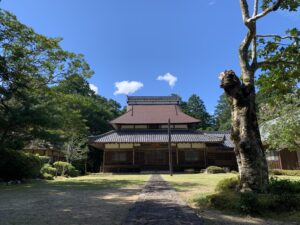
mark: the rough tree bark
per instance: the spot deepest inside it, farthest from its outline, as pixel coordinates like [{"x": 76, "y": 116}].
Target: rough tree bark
[
  {"x": 245, "y": 134},
  {"x": 241, "y": 94}
]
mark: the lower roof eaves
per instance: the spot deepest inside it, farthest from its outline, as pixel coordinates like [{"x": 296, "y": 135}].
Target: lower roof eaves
[{"x": 156, "y": 136}]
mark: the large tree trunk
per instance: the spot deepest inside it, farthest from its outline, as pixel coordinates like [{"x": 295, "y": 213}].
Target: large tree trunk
[{"x": 245, "y": 133}]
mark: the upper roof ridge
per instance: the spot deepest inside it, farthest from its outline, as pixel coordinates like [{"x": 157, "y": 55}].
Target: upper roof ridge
[{"x": 153, "y": 100}]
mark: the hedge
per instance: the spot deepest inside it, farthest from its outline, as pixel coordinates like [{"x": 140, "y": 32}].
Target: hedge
[
  {"x": 17, "y": 165},
  {"x": 215, "y": 169},
  {"x": 285, "y": 172}
]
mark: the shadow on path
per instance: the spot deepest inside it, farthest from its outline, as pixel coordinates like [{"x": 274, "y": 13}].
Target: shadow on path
[{"x": 159, "y": 204}]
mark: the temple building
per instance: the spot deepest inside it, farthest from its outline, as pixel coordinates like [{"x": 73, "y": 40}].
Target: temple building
[{"x": 139, "y": 140}]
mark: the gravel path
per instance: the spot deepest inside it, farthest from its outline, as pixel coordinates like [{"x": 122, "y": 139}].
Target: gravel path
[{"x": 159, "y": 204}]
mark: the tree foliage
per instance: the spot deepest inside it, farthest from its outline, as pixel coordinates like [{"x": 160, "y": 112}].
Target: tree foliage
[
  {"x": 195, "y": 107},
  {"x": 44, "y": 92},
  {"x": 281, "y": 123},
  {"x": 222, "y": 114}
]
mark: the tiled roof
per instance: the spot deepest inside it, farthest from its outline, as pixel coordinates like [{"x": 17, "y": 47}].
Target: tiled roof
[
  {"x": 152, "y": 100},
  {"x": 155, "y": 136},
  {"x": 154, "y": 114},
  {"x": 226, "y": 134}
]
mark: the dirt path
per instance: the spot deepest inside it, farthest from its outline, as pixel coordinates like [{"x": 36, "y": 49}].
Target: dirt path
[
  {"x": 70, "y": 206},
  {"x": 159, "y": 204}
]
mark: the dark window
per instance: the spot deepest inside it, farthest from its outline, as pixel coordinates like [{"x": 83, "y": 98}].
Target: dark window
[
  {"x": 191, "y": 156},
  {"x": 119, "y": 157},
  {"x": 153, "y": 126}
]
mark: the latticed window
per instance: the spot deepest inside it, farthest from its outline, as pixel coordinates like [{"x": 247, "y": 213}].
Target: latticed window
[
  {"x": 119, "y": 157},
  {"x": 191, "y": 156},
  {"x": 272, "y": 155}
]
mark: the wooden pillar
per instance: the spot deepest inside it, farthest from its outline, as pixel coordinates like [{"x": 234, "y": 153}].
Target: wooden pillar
[
  {"x": 103, "y": 164},
  {"x": 133, "y": 157},
  {"x": 170, "y": 149},
  {"x": 177, "y": 157},
  {"x": 205, "y": 158}
]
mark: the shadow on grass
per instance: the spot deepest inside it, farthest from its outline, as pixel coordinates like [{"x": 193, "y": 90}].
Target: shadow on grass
[
  {"x": 75, "y": 184},
  {"x": 183, "y": 186},
  {"x": 96, "y": 184}
]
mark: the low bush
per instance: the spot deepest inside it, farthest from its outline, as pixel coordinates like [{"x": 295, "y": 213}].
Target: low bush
[
  {"x": 47, "y": 168},
  {"x": 224, "y": 200},
  {"x": 17, "y": 165},
  {"x": 73, "y": 172},
  {"x": 279, "y": 186},
  {"x": 248, "y": 203},
  {"x": 228, "y": 184},
  {"x": 283, "y": 196},
  {"x": 189, "y": 171},
  {"x": 65, "y": 169},
  {"x": 47, "y": 176},
  {"x": 215, "y": 169},
  {"x": 285, "y": 172}
]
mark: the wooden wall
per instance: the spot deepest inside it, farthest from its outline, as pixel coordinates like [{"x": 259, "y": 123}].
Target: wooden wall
[{"x": 155, "y": 157}]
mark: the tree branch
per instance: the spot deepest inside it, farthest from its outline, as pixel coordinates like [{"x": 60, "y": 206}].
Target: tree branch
[
  {"x": 273, "y": 7},
  {"x": 255, "y": 8},
  {"x": 245, "y": 10},
  {"x": 270, "y": 63},
  {"x": 254, "y": 43},
  {"x": 243, "y": 51},
  {"x": 278, "y": 36}
]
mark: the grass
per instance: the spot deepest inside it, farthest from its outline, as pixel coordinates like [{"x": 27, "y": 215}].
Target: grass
[
  {"x": 194, "y": 188},
  {"x": 94, "y": 181},
  {"x": 190, "y": 186}
]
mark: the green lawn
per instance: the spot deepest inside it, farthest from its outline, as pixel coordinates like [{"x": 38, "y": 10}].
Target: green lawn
[
  {"x": 191, "y": 185},
  {"x": 96, "y": 181},
  {"x": 195, "y": 186},
  {"x": 94, "y": 199}
]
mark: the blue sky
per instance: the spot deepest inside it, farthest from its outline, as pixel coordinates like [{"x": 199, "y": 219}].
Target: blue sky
[{"x": 190, "y": 41}]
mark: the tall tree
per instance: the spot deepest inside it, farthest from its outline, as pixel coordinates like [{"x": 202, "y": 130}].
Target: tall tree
[
  {"x": 222, "y": 114},
  {"x": 195, "y": 107},
  {"x": 276, "y": 60},
  {"x": 280, "y": 123},
  {"x": 44, "y": 93},
  {"x": 29, "y": 64}
]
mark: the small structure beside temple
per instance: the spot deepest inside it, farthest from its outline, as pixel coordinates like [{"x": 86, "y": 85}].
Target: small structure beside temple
[{"x": 140, "y": 139}]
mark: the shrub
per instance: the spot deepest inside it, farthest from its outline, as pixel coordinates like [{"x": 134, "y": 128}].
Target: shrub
[
  {"x": 72, "y": 172},
  {"x": 17, "y": 165},
  {"x": 33, "y": 166},
  {"x": 228, "y": 184},
  {"x": 277, "y": 186},
  {"x": 284, "y": 202},
  {"x": 47, "y": 168},
  {"x": 248, "y": 203},
  {"x": 285, "y": 172},
  {"x": 215, "y": 169},
  {"x": 65, "y": 168},
  {"x": 189, "y": 171},
  {"x": 47, "y": 176},
  {"x": 61, "y": 167},
  {"x": 224, "y": 200}
]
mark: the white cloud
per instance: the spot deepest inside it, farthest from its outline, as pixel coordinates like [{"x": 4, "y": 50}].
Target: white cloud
[
  {"x": 127, "y": 87},
  {"x": 94, "y": 88},
  {"x": 169, "y": 78}
]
